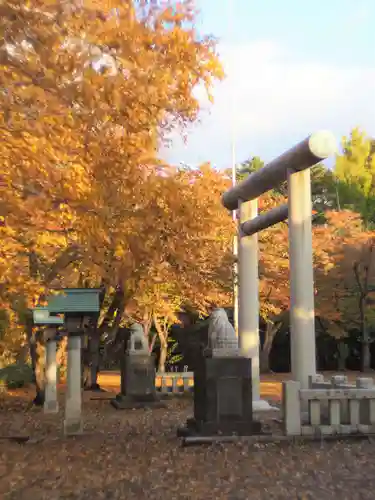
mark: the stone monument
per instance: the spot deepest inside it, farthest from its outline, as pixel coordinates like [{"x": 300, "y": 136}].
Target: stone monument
[
  {"x": 222, "y": 386},
  {"x": 137, "y": 374}
]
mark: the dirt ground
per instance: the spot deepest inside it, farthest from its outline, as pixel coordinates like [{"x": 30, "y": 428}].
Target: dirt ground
[{"x": 136, "y": 455}]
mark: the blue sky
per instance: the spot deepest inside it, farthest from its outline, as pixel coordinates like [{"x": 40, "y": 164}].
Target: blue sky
[{"x": 292, "y": 67}]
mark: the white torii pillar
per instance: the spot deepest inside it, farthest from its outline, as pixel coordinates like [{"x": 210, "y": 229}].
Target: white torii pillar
[
  {"x": 248, "y": 313},
  {"x": 248, "y": 292},
  {"x": 292, "y": 166},
  {"x": 302, "y": 316}
]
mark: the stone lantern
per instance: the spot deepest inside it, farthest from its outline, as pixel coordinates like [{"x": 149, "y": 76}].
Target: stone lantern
[{"x": 78, "y": 306}]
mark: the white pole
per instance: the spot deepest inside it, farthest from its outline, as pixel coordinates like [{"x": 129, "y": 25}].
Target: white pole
[
  {"x": 50, "y": 402},
  {"x": 73, "y": 405},
  {"x": 233, "y": 155},
  {"x": 302, "y": 316},
  {"x": 235, "y": 281},
  {"x": 249, "y": 295}
]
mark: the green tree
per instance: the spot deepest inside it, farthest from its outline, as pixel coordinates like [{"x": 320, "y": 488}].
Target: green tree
[
  {"x": 248, "y": 167},
  {"x": 355, "y": 174}
]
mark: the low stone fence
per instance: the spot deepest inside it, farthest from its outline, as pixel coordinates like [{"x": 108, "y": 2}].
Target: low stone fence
[
  {"x": 332, "y": 407},
  {"x": 174, "y": 382}
]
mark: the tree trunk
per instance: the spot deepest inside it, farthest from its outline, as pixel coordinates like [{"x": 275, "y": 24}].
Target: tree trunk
[
  {"x": 365, "y": 339},
  {"x": 264, "y": 360},
  {"x": 163, "y": 337},
  {"x": 92, "y": 358},
  {"x": 22, "y": 355},
  {"x": 36, "y": 348},
  {"x": 114, "y": 338},
  {"x": 39, "y": 368},
  {"x": 32, "y": 338},
  {"x": 343, "y": 353},
  {"x": 147, "y": 323},
  {"x": 163, "y": 355},
  {"x": 32, "y": 344},
  {"x": 62, "y": 358},
  {"x": 264, "y": 355},
  {"x": 152, "y": 343},
  {"x": 37, "y": 361},
  {"x": 366, "y": 356},
  {"x": 117, "y": 306}
]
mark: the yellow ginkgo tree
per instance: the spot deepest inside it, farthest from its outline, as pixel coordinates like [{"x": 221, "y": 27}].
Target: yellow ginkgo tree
[{"x": 88, "y": 92}]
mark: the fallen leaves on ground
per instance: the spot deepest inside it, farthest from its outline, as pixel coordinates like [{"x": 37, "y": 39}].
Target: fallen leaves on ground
[{"x": 136, "y": 455}]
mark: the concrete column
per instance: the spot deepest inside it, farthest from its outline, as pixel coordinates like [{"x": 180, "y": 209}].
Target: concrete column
[
  {"x": 302, "y": 316},
  {"x": 292, "y": 408},
  {"x": 50, "y": 402},
  {"x": 235, "y": 283},
  {"x": 248, "y": 316},
  {"x": 73, "y": 405}
]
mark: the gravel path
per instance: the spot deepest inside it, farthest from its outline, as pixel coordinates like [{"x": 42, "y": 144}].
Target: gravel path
[{"x": 136, "y": 455}]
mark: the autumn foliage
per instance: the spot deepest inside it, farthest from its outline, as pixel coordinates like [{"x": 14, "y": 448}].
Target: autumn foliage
[{"x": 88, "y": 93}]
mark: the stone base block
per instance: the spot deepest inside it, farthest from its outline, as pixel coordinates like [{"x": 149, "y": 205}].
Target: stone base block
[
  {"x": 260, "y": 405},
  {"x": 73, "y": 427},
  {"x": 222, "y": 399},
  {"x": 223, "y": 428},
  {"x": 94, "y": 388},
  {"x": 122, "y": 402},
  {"x": 51, "y": 407}
]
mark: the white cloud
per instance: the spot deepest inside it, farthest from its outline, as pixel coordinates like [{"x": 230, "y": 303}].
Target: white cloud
[
  {"x": 359, "y": 15},
  {"x": 278, "y": 101}
]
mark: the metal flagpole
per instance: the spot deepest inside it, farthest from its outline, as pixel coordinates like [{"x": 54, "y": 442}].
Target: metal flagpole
[{"x": 233, "y": 161}]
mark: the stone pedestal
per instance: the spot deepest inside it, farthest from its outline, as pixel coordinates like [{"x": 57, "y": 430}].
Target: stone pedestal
[
  {"x": 137, "y": 383},
  {"x": 73, "y": 406},
  {"x": 222, "y": 398},
  {"x": 50, "y": 402}
]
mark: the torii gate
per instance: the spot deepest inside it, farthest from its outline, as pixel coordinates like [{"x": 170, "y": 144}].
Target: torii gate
[{"x": 293, "y": 166}]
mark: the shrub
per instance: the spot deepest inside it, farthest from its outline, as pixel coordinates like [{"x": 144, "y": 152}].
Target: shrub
[{"x": 15, "y": 376}]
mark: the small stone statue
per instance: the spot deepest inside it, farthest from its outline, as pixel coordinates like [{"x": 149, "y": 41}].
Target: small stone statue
[
  {"x": 222, "y": 338},
  {"x": 137, "y": 343}
]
